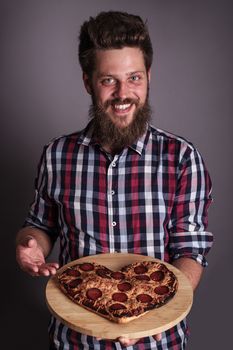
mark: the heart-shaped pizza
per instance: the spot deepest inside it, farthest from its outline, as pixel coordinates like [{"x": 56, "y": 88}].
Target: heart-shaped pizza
[{"x": 119, "y": 296}]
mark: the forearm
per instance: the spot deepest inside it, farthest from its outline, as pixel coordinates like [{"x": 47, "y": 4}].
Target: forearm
[
  {"x": 40, "y": 236},
  {"x": 191, "y": 269}
]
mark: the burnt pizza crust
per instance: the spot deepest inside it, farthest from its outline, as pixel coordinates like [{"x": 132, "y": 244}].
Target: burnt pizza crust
[{"x": 119, "y": 296}]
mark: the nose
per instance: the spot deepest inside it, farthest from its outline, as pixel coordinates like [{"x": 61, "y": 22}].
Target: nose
[{"x": 121, "y": 90}]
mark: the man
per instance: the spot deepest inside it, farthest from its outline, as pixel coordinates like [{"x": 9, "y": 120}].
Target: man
[{"x": 119, "y": 185}]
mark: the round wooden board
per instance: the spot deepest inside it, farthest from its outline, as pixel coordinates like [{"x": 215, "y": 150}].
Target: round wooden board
[{"x": 87, "y": 322}]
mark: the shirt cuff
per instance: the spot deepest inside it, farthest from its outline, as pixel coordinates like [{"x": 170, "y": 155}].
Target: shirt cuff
[{"x": 197, "y": 257}]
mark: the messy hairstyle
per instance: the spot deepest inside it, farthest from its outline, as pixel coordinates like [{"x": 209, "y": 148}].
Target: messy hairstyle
[{"x": 113, "y": 30}]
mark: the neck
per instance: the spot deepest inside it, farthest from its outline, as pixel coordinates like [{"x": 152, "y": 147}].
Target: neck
[{"x": 108, "y": 149}]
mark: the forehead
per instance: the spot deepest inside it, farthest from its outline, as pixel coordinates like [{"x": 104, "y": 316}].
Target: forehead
[{"x": 119, "y": 61}]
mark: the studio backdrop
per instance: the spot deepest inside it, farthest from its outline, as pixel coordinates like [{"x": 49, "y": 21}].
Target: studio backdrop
[{"x": 42, "y": 97}]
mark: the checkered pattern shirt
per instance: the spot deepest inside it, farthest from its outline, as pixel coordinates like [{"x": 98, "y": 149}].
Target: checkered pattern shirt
[{"x": 151, "y": 199}]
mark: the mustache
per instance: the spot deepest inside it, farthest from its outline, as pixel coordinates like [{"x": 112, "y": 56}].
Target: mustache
[{"x": 120, "y": 101}]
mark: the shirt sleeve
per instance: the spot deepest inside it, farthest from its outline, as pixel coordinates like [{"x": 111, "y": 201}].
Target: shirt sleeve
[
  {"x": 188, "y": 235},
  {"x": 43, "y": 212}
]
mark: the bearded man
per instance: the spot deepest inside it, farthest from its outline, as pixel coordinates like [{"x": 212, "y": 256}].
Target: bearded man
[{"x": 119, "y": 185}]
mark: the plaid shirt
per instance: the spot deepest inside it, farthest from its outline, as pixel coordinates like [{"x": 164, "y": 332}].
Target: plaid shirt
[{"x": 151, "y": 199}]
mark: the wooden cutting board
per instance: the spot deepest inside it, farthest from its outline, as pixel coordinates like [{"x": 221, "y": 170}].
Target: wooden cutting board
[{"x": 86, "y": 322}]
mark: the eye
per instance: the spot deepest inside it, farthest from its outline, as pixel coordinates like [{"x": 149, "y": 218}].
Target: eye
[
  {"x": 135, "y": 78},
  {"x": 108, "y": 81}
]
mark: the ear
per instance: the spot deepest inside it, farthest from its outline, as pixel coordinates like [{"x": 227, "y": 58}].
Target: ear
[
  {"x": 149, "y": 75},
  {"x": 87, "y": 84}
]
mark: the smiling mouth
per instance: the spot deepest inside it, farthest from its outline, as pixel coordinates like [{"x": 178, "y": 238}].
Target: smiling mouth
[{"x": 122, "y": 107}]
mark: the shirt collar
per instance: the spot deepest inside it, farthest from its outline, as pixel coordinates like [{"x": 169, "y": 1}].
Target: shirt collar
[
  {"x": 141, "y": 142},
  {"x": 86, "y": 138}
]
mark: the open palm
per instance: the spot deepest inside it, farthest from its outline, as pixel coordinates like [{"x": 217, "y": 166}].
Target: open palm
[{"x": 31, "y": 259}]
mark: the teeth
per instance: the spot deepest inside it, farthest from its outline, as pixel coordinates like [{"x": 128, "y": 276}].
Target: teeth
[{"x": 122, "y": 107}]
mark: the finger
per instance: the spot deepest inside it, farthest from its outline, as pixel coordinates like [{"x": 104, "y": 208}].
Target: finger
[
  {"x": 52, "y": 267},
  {"x": 31, "y": 269},
  {"x": 48, "y": 269},
  {"x": 53, "y": 264},
  {"x": 127, "y": 342},
  {"x": 37, "y": 269},
  {"x": 42, "y": 272},
  {"x": 29, "y": 241},
  {"x": 158, "y": 337}
]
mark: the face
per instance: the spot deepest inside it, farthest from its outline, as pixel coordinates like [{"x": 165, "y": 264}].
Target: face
[{"x": 119, "y": 84}]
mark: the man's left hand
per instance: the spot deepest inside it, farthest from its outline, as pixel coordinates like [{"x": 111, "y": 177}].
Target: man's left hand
[{"x": 129, "y": 342}]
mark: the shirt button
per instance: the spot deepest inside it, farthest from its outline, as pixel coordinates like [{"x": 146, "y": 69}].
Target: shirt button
[
  {"x": 114, "y": 223},
  {"x": 113, "y": 164},
  {"x": 112, "y": 192}
]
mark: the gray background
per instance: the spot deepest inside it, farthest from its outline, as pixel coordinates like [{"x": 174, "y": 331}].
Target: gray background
[{"x": 42, "y": 96}]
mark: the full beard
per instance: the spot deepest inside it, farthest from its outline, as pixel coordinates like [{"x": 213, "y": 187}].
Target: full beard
[{"x": 117, "y": 138}]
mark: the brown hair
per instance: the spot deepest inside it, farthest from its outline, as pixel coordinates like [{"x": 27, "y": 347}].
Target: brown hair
[{"x": 113, "y": 30}]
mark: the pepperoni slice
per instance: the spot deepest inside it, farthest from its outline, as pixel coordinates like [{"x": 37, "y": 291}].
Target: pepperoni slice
[
  {"x": 157, "y": 276},
  {"x": 72, "y": 272},
  {"x": 124, "y": 287},
  {"x": 87, "y": 267},
  {"x": 139, "y": 270},
  {"x": 118, "y": 275},
  {"x": 161, "y": 290},
  {"x": 117, "y": 306},
  {"x": 75, "y": 282},
  {"x": 103, "y": 273},
  {"x": 143, "y": 278},
  {"x": 94, "y": 293},
  {"x": 144, "y": 298},
  {"x": 121, "y": 297}
]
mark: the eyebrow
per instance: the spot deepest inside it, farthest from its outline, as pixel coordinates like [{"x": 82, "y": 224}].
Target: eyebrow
[{"x": 128, "y": 74}]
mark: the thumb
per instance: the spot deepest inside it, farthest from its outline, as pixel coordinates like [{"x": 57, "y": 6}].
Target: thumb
[{"x": 29, "y": 242}]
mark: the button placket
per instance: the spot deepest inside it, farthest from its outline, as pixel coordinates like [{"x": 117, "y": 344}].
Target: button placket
[{"x": 111, "y": 192}]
